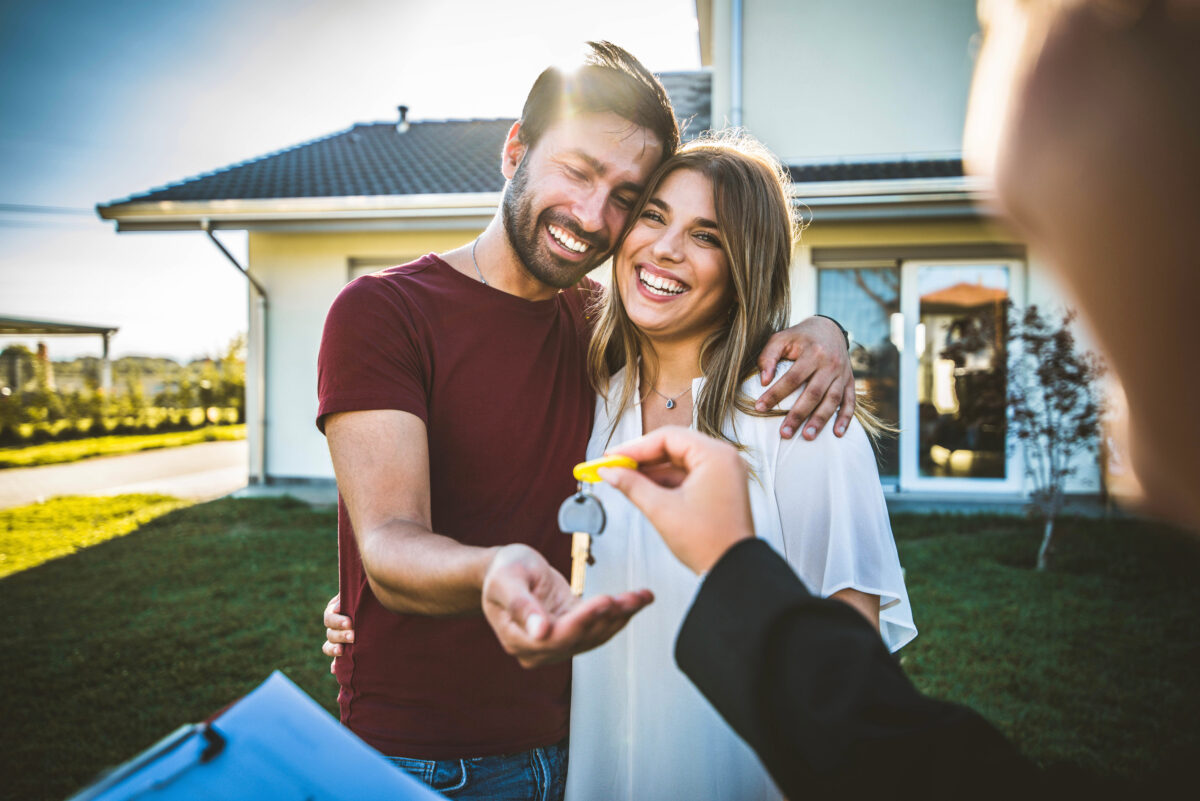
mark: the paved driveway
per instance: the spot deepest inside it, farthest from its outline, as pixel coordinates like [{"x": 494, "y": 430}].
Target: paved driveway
[{"x": 204, "y": 471}]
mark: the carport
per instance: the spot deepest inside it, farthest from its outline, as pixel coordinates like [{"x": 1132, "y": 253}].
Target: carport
[{"x": 20, "y": 326}]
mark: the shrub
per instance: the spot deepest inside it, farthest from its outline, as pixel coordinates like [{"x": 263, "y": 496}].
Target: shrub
[{"x": 150, "y": 421}]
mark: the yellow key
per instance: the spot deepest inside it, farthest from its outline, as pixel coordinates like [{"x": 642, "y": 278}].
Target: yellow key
[{"x": 586, "y": 471}]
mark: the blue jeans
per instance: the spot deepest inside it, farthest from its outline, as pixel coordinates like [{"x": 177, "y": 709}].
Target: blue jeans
[{"x": 536, "y": 775}]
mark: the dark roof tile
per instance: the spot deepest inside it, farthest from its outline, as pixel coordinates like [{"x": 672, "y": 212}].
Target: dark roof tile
[{"x": 449, "y": 156}]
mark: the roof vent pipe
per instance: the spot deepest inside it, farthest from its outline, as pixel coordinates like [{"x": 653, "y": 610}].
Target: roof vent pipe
[
  {"x": 735, "y": 64},
  {"x": 402, "y": 126}
]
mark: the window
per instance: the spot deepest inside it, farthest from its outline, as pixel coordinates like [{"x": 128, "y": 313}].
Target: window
[
  {"x": 929, "y": 349},
  {"x": 866, "y": 301}
]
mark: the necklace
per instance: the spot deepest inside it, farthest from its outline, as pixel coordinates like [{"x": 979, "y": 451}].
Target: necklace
[
  {"x": 474, "y": 245},
  {"x": 670, "y": 401}
]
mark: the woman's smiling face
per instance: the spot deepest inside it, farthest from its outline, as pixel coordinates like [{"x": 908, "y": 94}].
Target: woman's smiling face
[{"x": 671, "y": 270}]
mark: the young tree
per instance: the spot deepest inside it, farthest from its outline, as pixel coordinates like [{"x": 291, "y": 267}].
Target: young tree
[{"x": 1054, "y": 405}]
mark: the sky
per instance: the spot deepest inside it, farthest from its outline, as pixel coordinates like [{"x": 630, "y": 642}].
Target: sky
[{"x": 100, "y": 101}]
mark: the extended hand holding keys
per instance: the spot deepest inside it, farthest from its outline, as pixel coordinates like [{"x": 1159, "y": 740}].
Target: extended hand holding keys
[{"x": 693, "y": 490}]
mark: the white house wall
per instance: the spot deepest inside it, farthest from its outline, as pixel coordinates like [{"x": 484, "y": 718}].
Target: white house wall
[
  {"x": 838, "y": 79},
  {"x": 302, "y": 273}
]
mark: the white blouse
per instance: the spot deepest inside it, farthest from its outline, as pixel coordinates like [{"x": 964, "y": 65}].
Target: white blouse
[{"x": 639, "y": 728}]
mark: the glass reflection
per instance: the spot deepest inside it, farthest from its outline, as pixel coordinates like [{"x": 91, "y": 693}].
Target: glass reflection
[
  {"x": 867, "y": 302},
  {"x": 962, "y": 371}
]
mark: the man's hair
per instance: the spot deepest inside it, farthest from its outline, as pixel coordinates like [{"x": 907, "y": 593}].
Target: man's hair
[{"x": 610, "y": 79}]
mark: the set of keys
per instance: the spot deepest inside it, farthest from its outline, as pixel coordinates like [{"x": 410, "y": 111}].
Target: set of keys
[{"x": 582, "y": 515}]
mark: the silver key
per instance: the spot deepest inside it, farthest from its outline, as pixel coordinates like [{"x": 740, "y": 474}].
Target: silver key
[{"x": 581, "y": 516}]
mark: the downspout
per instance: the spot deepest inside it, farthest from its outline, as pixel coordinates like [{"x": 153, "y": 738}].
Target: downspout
[
  {"x": 260, "y": 363},
  {"x": 735, "y": 64}
]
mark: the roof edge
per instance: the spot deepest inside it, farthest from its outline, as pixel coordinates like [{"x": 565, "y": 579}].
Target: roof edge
[
  {"x": 910, "y": 187},
  {"x": 924, "y": 198},
  {"x": 298, "y": 208},
  {"x": 32, "y": 327}
]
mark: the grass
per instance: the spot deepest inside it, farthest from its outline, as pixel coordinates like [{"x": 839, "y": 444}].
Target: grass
[
  {"x": 30, "y": 535},
  {"x": 125, "y": 641},
  {"x": 74, "y": 450},
  {"x": 1093, "y": 663}
]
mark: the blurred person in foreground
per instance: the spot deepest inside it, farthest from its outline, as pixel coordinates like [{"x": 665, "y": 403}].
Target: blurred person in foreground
[{"x": 1087, "y": 112}]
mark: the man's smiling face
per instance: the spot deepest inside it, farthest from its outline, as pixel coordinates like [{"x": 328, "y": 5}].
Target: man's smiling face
[{"x": 569, "y": 196}]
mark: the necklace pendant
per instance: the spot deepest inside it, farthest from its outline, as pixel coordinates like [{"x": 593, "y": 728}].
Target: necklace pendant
[{"x": 670, "y": 403}]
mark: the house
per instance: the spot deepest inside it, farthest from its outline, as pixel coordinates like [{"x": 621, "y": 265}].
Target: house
[{"x": 863, "y": 101}]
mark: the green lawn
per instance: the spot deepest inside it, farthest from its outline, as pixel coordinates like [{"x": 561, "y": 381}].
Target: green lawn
[
  {"x": 1093, "y": 662},
  {"x": 119, "y": 644},
  {"x": 30, "y": 535},
  {"x": 74, "y": 450},
  {"x": 116, "y": 646}
]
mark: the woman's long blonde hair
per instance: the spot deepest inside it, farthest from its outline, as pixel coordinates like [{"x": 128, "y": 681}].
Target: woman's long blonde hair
[{"x": 758, "y": 232}]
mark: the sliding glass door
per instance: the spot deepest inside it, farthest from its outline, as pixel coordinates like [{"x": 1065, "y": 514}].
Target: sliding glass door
[
  {"x": 930, "y": 350},
  {"x": 954, "y": 376}
]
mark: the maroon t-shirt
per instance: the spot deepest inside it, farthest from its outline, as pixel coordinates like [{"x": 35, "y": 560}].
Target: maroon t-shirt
[{"x": 501, "y": 385}]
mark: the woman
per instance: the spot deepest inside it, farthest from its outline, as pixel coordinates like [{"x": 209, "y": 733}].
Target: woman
[{"x": 701, "y": 281}]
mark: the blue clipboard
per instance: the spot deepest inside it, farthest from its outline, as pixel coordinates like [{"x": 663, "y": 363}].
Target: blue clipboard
[{"x": 276, "y": 743}]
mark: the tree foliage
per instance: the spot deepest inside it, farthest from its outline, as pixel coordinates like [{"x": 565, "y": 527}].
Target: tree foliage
[{"x": 1054, "y": 407}]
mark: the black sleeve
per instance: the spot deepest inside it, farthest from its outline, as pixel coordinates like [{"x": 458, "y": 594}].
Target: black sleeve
[{"x": 808, "y": 683}]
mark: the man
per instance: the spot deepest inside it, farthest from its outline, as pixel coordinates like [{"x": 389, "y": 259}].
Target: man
[
  {"x": 455, "y": 402},
  {"x": 1096, "y": 153}
]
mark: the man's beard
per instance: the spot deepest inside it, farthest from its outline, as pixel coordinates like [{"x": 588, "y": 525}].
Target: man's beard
[{"x": 524, "y": 231}]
